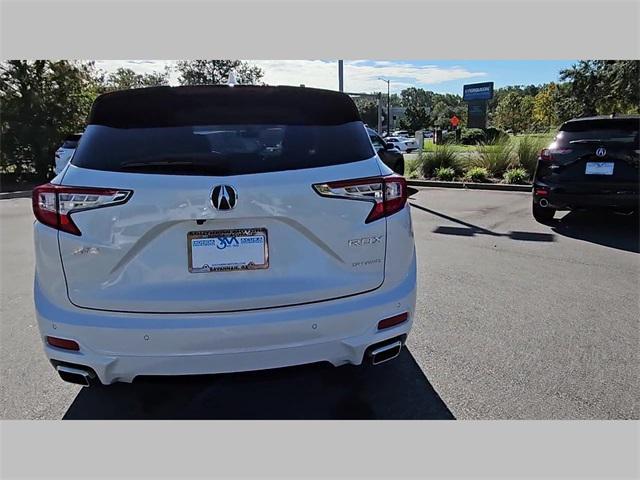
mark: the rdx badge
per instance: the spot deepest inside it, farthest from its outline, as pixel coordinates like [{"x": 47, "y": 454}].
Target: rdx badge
[{"x": 361, "y": 242}]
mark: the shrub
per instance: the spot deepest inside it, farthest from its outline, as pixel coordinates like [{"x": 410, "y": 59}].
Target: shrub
[
  {"x": 516, "y": 175},
  {"x": 476, "y": 174},
  {"x": 528, "y": 150},
  {"x": 493, "y": 134},
  {"x": 442, "y": 156},
  {"x": 496, "y": 157},
  {"x": 472, "y": 136},
  {"x": 412, "y": 167},
  {"x": 445, "y": 173}
]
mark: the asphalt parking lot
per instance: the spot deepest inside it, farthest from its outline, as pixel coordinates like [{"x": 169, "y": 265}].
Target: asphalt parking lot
[{"x": 515, "y": 320}]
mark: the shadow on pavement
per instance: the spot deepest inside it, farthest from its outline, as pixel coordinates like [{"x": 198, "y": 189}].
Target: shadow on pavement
[
  {"x": 394, "y": 390},
  {"x": 601, "y": 227},
  {"x": 470, "y": 230}
]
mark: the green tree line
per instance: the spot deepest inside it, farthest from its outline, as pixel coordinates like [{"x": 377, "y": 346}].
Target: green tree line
[{"x": 42, "y": 101}]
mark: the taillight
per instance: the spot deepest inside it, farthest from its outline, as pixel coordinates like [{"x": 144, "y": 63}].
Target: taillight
[
  {"x": 388, "y": 194},
  {"x": 54, "y": 204},
  {"x": 547, "y": 154}
]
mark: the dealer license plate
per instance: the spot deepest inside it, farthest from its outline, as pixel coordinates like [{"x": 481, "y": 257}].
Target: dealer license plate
[{"x": 228, "y": 250}]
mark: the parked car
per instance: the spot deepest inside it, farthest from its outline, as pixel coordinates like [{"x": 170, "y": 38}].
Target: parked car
[
  {"x": 401, "y": 133},
  {"x": 388, "y": 153},
  {"x": 592, "y": 163},
  {"x": 212, "y": 229},
  {"x": 403, "y": 144},
  {"x": 65, "y": 152}
]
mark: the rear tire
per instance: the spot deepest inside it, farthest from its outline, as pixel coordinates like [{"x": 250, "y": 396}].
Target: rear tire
[{"x": 543, "y": 215}]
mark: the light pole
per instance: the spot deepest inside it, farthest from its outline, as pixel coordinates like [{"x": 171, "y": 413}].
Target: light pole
[
  {"x": 340, "y": 76},
  {"x": 388, "y": 104}
]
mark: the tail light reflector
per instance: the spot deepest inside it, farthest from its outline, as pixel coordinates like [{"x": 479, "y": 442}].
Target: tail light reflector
[
  {"x": 63, "y": 343},
  {"x": 54, "y": 204},
  {"x": 388, "y": 194},
  {"x": 393, "y": 321}
]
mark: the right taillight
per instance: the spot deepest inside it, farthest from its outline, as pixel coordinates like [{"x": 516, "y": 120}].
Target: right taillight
[
  {"x": 388, "y": 194},
  {"x": 54, "y": 204}
]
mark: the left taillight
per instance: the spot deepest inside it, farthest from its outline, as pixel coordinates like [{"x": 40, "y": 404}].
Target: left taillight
[
  {"x": 388, "y": 194},
  {"x": 54, "y": 204}
]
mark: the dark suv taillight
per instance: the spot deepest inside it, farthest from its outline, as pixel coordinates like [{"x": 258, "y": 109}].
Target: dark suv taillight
[
  {"x": 388, "y": 194},
  {"x": 547, "y": 154},
  {"x": 54, "y": 204}
]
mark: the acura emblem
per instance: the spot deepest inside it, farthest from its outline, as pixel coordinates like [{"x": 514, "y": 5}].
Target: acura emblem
[
  {"x": 601, "y": 152},
  {"x": 223, "y": 197}
]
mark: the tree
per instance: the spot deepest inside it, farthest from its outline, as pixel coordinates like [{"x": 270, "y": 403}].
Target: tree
[
  {"x": 545, "y": 109},
  {"x": 514, "y": 111},
  {"x": 213, "y": 72},
  {"x": 125, "y": 78},
  {"x": 584, "y": 85},
  {"x": 368, "y": 109},
  {"x": 620, "y": 79},
  {"x": 417, "y": 103},
  {"x": 42, "y": 101},
  {"x": 446, "y": 106}
]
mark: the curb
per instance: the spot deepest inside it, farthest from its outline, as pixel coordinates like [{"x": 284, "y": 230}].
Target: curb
[
  {"x": 503, "y": 187},
  {"x": 18, "y": 194}
]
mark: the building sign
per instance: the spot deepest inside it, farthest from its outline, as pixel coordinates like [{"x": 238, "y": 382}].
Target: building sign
[
  {"x": 477, "y": 91},
  {"x": 477, "y": 114}
]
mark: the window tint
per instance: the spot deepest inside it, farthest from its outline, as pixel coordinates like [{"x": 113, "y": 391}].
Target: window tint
[
  {"x": 221, "y": 149},
  {"x": 607, "y": 130}
]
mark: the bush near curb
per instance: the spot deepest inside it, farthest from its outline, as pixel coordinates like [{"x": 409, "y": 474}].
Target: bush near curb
[
  {"x": 446, "y": 174},
  {"x": 477, "y": 174},
  {"x": 444, "y": 156},
  {"x": 517, "y": 176},
  {"x": 496, "y": 157}
]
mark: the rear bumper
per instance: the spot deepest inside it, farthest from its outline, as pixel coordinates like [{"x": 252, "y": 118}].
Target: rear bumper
[
  {"x": 119, "y": 347},
  {"x": 562, "y": 198}
]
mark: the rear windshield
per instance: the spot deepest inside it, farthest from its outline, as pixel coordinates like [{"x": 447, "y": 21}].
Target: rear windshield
[
  {"x": 618, "y": 131},
  {"x": 221, "y": 149}
]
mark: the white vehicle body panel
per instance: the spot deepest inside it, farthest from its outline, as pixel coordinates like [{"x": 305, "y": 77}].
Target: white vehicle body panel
[{"x": 133, "y": 258}]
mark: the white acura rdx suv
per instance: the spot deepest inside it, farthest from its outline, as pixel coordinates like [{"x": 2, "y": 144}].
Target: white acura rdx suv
[{"x": 219, "y": 229}]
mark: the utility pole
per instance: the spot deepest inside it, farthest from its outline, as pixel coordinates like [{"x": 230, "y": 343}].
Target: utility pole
[
  {"x": 340, "y": 76},
  {"x": 388, "y": 104}
]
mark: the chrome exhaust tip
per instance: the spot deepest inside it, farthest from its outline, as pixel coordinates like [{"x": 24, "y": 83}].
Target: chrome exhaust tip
[
  {"x": 385, "y": 353},
  {"x": 75, "y": 375},
  {"x": 544, "y": 203}
]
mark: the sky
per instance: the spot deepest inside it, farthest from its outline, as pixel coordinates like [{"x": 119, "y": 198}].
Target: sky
[{"x": 362, "y": 76}]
